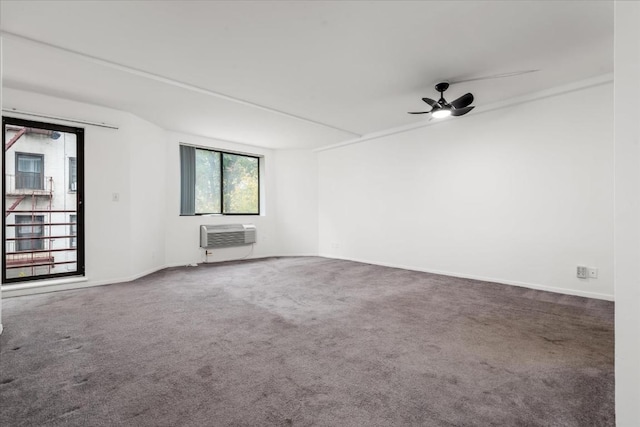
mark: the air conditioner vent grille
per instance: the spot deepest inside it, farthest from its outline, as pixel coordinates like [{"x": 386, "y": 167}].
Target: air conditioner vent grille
[{"x": 228, "y": 235}]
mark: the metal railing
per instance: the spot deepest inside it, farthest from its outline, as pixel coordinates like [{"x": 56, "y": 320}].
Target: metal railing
[
  {"x": 20, "y": 258},
  {"x": 28, "y": 183},
  {"x": 17, "y": 258}
]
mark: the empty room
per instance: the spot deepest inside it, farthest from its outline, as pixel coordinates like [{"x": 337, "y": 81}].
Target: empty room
[{"x": 320, "y": 213}]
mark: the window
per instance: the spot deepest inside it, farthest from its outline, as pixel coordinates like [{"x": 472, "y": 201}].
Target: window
[
  {"x": 73, "y": 174},
  {"x": 73, "y": 231},
  {"x": 29, "y": 171},
  {"x": 215, "y": 182},
  {"x": 28, "y": 232}
]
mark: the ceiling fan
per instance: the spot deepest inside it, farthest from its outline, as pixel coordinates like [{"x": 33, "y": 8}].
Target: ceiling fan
[
  {"x": 461, "y": 106},
  {"x": 441, "y": 108}
]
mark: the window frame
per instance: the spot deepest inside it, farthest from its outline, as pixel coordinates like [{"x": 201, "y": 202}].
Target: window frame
[
  {"x": 80, "y": 270},
  {"x": 222, "y": 153}
]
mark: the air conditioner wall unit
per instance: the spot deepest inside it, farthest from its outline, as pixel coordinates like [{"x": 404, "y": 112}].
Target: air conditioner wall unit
[{"x": 228, "y": 235}]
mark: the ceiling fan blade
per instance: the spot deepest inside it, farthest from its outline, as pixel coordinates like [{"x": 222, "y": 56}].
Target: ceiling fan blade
[
  {"x": 463, "y": 101},
  {"x": 430, "y": 101},
  {"x": 420, "y": 112},
  {"x": 461, "y": 111},
  {"x": 494, "y": 76}
]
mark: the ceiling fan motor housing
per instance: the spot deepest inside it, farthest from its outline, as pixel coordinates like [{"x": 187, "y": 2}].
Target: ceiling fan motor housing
[{"x": 441, "y": 87}]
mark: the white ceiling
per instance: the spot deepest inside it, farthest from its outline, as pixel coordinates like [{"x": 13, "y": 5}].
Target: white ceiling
[{"x": 296, "y": 74}]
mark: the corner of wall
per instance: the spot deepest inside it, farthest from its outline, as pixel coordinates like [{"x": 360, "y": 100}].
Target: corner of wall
[{"x": 627, "y": 211}]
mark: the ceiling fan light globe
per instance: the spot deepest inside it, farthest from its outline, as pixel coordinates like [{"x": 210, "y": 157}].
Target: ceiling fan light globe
[{"x": 440, "y": 114}]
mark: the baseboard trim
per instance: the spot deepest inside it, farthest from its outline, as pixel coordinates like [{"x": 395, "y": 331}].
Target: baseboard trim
[
  {"x": 8, "y": 292},
  {"x": 79, "y": 283},
  {"x": 565, "y": 291},
  {"x": 187, "y": 264},
  {"x": 28, "y": 288},
  {"x": 33, "y": 288}
]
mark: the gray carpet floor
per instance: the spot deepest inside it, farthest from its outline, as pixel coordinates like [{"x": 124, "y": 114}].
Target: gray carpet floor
[{"x": 306, "y": 342}]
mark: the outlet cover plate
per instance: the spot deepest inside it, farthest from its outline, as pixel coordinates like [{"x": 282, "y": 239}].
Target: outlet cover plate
[{"x": 581, "y": 272}]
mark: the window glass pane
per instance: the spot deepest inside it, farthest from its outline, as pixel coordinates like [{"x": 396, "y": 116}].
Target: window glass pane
[
  {"x": 73, "y": 230},
  {"x": 207, "y": 181},
  {"x": 27, "y": 163},
  {"x": 240, "y": 183},
  {"x": 73, "y": 174},
  {"x": 29, "y": 171},
  {"x": 33, "y": 229}
]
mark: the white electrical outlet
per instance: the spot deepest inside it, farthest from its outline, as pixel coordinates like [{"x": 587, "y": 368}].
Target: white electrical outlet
[
  {"x": 581, "y": 272},
  {"x": 593, "y": 273}
]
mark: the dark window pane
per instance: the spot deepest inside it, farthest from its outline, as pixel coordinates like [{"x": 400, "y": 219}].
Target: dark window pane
[
  {"x": 240, "y": 184},
  {"x": 73, "y": 230},
  {"x": 73, "y": 174},
  {"x": 207, "y": 181},
  {"x": 32, "y": 228},
  {"x": 29, "y": 169}
]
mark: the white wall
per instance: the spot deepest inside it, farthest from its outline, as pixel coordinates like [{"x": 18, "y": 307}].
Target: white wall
[
  {"x": 518, "y": 195},
  {"x": 297, "y": 201},
  {"x": 147, "y": 183},
  {"x": 107, "y": 223},
  {"x": 627, "y": 212}
]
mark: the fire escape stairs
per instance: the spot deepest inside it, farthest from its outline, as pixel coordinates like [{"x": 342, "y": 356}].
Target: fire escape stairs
[
  {"x": 15, "y": 138},
  {"x": 14, "y": 205}
]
